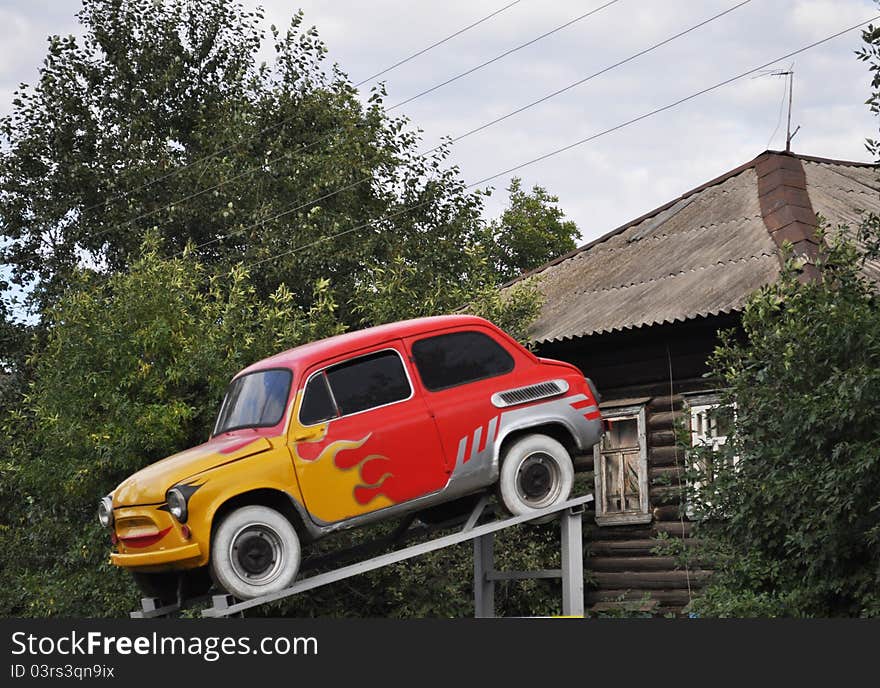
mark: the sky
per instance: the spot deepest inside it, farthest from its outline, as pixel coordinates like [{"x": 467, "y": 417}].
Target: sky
[{"x": 617, "y": 177}]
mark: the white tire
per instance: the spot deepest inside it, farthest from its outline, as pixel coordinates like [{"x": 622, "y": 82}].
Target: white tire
[
  {"x": 255, "y": 551},
  {"x": 536, "y": 473}
]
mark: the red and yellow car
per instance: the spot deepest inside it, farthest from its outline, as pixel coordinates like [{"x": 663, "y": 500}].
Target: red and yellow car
[{"x": 346, "y": 431}]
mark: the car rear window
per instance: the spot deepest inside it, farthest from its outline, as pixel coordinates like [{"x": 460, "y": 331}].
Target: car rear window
[{"x": 449, "y": 360}]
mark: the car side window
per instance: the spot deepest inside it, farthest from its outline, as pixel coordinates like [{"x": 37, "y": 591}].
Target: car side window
[
  {"x": 368, "y": 381},
  {"x": 317, "y": 404},
  {"x": 449, "y": 360}
]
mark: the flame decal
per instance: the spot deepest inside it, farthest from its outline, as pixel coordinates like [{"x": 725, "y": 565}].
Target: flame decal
[{"x": 339, "y": 482}]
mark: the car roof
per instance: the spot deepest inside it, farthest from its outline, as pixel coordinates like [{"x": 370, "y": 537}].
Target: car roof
[{"x": 305, "y": 355}]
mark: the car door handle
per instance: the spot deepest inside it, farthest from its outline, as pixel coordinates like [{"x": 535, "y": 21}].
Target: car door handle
[{"x": 306, "y": 434}]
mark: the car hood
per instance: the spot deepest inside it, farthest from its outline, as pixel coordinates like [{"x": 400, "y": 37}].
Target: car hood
[{"x": 148, "y": 485}]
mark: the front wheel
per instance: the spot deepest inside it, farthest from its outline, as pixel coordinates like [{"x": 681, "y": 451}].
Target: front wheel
[
  {"x": 255, "y": 551},
  {"x": 536, "y": 473}
]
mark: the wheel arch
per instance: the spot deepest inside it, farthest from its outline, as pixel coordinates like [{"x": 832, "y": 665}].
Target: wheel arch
[
  {"x": 268, "y": 497},
  {"x": 557, "y": 430}
]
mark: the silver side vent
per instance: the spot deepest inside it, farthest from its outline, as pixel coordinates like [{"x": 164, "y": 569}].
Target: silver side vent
[{"x": 522, "y": 395}]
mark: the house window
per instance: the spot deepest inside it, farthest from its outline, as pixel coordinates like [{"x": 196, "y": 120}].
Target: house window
[
  {"x": 621, "y": 468},
  {"x": 710, "y": 425}
]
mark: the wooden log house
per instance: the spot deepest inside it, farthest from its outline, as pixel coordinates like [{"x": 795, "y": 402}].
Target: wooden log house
[{"x": 639, "y": 309}]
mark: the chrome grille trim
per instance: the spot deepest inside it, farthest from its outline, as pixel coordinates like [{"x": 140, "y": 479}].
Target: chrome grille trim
[{"x": 523, "y": 395}]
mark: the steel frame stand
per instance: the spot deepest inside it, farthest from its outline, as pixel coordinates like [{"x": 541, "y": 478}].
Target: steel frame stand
[
  {"x": 571, "y": 573},
  {"x": 485, "y": 575}
]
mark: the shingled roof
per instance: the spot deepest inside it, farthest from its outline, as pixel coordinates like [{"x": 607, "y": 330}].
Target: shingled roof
[{"x": 703, "y": 253}]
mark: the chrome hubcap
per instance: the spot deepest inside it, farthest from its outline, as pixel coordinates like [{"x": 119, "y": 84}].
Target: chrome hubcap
[
  {"x": 538, "y": 480},
  {"x": 257, "y": 553}
]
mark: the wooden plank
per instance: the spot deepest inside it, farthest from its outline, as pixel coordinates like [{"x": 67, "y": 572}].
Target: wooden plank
[
  {"x": 668, "y": 512},
  {"x": 665, "y": 475},
  {"x": 661, "y": 438},
  {"x": 627, "y": 606},
  {"x": 652, "y": 563},
  {"x": 651, "y": 580},
  {"x": 674, "y": 528},
  {"x": 663, "y": 420},
  {"x": 641, "y": 547},
  {"x": 625, "y": 401},
  {"x": 667, "y": 403},
  {"x": 671, "y": 494},
  {"x": 635, "y": 548},
  {"x": 638, "y": 532},
  {"x": 677, "y": 598},
  {"x": 665, "y": 456}
]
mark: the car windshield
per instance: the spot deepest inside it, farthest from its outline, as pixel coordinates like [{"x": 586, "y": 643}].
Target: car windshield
[{"x": 255, "y": 400}]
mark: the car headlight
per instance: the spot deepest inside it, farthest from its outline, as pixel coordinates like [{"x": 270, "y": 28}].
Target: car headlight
[
  {"x": 105, "y": 512},
  {"x": 176, "y": 504}
]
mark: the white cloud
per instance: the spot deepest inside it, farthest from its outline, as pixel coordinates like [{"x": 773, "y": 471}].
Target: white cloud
[{"x": 615, "y": 178}]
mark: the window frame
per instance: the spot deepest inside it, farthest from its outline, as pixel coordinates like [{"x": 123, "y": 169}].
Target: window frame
[
  {"x": 698, "y": 403},
  {"x": 416, "y": 339},
  {"x": 643, "y": 515},
  {"x": 323, "y": 374},
  {"x": 283, "y": 415},
  {"x": 339, "y": 413}
]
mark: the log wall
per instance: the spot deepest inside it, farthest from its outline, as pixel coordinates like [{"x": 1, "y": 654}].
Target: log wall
[{"x": 623, "y": 563}]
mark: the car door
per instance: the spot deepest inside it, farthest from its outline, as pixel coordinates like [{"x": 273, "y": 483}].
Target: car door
[
  {"x": 459, "y": 371},
  {"x": 364, "y": 439}
]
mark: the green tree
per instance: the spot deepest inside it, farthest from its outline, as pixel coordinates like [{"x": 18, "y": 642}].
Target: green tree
[
  {"x": 791, "y": 516},
  {"x": 132, "y": 370},
  {"x": 142, "y": 322},
  {"x": 531, "y": 231},
  {"x": 163, "y": 116},
  {"x": 789, "y": 513}
]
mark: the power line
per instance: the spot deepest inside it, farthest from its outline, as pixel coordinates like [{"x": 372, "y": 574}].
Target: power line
[
  {"x": 502, "y": 55},
  {"x": 455, "y": 139},
  {"x": 272, "y": 127},
  {"x": 434, "y": 45},
  {"x": 601, "y": 71},
  {"x": 389, "y": 109},
  {"x": 570, "y": 146}
]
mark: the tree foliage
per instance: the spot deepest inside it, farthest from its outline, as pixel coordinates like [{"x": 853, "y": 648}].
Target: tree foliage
[
  {"x": 531, "y": 231},
  {"x": 163, "y": 117},
  {"x": 790, "y": 518},
  {"x": 158, "y": 192},
  {"x": 132, "y": 370}
]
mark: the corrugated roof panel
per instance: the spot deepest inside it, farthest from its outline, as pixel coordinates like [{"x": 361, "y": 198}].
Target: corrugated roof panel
[
  {"x": 842, "y": 194},
  {"x": 709, "y": 290},
  {"x": 702, "y": 254}
]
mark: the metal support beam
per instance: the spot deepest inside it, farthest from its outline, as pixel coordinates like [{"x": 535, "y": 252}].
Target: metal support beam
[
  {"x": 484, "y": 581},
  {"x": 152, "y": 608},
  {"x": 572, "y": 562},
  {"x": 474, "y": 533}
]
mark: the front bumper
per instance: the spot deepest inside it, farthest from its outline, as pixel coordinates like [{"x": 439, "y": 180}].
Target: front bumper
[
  {"x": 178, "y": 555},
  {"x": 149, "y": 539}
]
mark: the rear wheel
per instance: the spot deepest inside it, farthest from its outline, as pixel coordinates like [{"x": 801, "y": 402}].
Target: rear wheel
[
  {"x": 536, "y": 473},
  {"x": 255, "y": 551}
]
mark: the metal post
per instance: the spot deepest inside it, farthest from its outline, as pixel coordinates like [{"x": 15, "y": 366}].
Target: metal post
[
  {"x": 572, "y": 563},
  {"x": 484, "y": 584}
]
